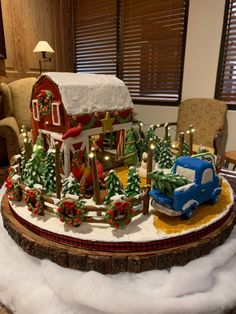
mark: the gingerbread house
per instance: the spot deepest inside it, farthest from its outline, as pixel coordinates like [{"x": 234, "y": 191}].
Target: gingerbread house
[{"x": 78, "y": 110}]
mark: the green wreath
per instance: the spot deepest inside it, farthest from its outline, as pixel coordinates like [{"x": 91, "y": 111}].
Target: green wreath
[
  {"x": 120, "y": 214},
  {"x": 71, "y": 212},
  {"x": 13, "y": 189},
  {"x": 32, "y": 199},
  {"x": 45, "y": 99}
]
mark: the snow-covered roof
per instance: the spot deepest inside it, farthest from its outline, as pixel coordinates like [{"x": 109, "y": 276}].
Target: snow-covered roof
[{"x": 87, "y": 93}]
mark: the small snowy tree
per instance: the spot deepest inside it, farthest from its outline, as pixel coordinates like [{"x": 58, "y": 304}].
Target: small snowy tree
[
  {"x": 113, "y": 185},
  {"x": 130, "y": 151},
  {"x": 157, "y": 151},
  {"x": 49, "y": 172},
  {"x": 70, "y": 186},
  {"x": 140, "y": 144},
  {"x": 185, "y": 149},
  {"x": 165, "y": 156},
  {"x": 33, "y": 172},
  {"x": 150, "y": 135},
  {"x": 133, "y": 185}
]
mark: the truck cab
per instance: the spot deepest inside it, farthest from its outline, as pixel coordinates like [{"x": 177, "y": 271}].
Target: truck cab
[{"x": 204, "y": 186}]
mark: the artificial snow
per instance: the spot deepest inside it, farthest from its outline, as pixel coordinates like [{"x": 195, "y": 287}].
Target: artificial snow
[
  {"x": 88, "y": 93},
  {"x": 29, "y": 285}
]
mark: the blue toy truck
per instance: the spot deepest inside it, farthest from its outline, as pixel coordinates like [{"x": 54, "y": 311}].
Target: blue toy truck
[{"x": 205, "y": 185}]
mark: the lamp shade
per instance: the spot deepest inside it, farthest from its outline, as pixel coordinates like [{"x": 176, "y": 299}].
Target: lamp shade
[{"x": 43, "y": 46}]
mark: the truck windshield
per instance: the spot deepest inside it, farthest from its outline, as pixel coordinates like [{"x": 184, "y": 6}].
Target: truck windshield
[{"x": 186, "y": 172}]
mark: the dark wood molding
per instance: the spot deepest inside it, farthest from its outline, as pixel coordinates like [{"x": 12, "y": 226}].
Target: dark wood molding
[{"x": 3, "y": 54}]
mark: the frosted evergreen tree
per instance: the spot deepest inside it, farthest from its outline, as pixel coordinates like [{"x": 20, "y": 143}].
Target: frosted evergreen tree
[
  {"x": 130, "y": 151},
  {"x": 113, "y": 186},
  {"x": 185, "y": 149},
  {"x": 23, "y": 152},
  {"x": 140, "y": 144},
  {"x": 165, "y": 156},
  {"x": 157, "y": 151},
  {"x": 33, "y": 172},
  {"x": 70, "y": 186},
  {"x": 133, "y": 185},
  {"x": 23, "y": 162},
  {"x": 49, "y": 172},
  {"x": 150, "y": 135}
]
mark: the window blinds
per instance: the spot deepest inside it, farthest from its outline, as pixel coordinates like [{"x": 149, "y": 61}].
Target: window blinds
[
  {"x": 226, "y": 76},
  {"x": 142, "y": 42}
]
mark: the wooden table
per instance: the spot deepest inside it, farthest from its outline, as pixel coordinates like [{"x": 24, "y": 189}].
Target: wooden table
[{"x": 230, "y": 158}]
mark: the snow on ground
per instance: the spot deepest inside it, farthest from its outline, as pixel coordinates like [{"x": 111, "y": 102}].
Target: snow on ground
[{"x": 28, "y": 285}]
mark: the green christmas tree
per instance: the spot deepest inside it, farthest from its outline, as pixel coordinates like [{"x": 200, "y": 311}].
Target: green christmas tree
[
  {"x": 130, "y": 151},
  {"x": 185, "y": 149},
  {"x": 150, "y": 135},
  {"x": 141, "y": 146},
  {"x": 167, "y": 183},
  {"x": 23, "y": 162},
  {"x": 165, "y": 155},
  {"x": 70, "y": 186},
  {"x": 133, "y": 185},
  {"x": 113, "y": 185},
  {"x": 28, "y": 142},
  {"x": 49, "y": 172},
  {"x": 157, "y": 151},
  {"x": 33, "y": 172}
]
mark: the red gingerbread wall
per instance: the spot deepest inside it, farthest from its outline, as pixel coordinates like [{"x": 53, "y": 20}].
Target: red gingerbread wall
[{"x": 42, "y": 84}]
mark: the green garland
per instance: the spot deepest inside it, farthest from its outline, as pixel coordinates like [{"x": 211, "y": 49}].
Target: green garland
[
  {"x": 32, "y": 199},
  {"x": 119, "y": 215},
  {"x": 71, "y": 212},
  {"x": 45, "y": 99}
]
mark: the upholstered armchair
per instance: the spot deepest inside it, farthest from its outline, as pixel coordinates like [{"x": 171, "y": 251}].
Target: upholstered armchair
[
  {"x": 209, "y": 120},
  {"x": 14, "y": 112}
]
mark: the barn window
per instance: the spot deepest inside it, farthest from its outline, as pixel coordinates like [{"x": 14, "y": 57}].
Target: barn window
[
  {"x": 56, "y": 118},
  {"x": 36, "y": 114}
]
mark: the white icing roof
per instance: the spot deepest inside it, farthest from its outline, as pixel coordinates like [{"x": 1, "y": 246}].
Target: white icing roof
[{"x": 87, "y": 93}]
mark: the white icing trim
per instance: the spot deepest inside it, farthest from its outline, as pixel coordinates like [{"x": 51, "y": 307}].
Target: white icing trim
[
  {"x": 36, "y": 113},
  {"x": 57, "y": 105}
]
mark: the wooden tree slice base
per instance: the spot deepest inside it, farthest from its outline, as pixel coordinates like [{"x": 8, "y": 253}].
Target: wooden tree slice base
[{"x": 108, "y": 262}]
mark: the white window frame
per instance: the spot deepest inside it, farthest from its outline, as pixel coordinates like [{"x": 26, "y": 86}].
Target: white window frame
[
  {"x": 207, "y": 176},
  {"x": 35, "y": 108},
  {"x": 57, "y": 104}
]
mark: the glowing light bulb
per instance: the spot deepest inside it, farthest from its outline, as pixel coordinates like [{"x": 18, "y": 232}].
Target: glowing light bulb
[
  {"x": 106, "y": 157},
  {"x": 91, "y": 155},
  {"x": 152, "y": 146}
]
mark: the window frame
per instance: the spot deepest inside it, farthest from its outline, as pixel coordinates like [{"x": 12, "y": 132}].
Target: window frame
[
  {"x": 145, "y": 100},
  {"x": 220, "y": 71}
]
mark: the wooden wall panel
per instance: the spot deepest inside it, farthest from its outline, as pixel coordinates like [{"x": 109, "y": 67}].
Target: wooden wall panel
[{"x": 28, "y": 21}]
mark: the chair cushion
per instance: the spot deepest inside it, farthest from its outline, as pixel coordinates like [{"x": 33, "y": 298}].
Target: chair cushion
[
  {"x": 6, "y": 109},
  {"x": 21, "y": 91},
  {"x": 207, "y": 117}
]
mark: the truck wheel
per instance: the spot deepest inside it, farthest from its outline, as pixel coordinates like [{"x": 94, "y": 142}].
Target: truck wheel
[
  {"x": 214, "y": 200},
  {"x": 189, "y": 211}
]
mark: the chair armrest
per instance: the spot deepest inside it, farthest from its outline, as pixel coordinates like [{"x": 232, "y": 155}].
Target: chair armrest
[{"x": 10, "y": 131}]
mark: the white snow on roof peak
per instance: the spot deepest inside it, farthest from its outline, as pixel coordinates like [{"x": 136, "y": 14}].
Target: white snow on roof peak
[{"x": 87, "y": 93}]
